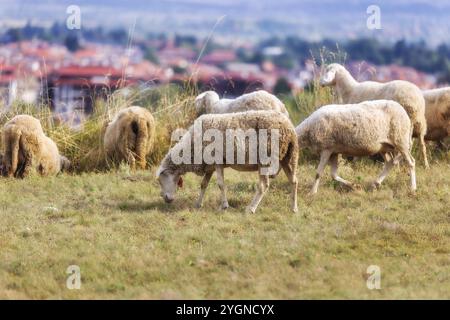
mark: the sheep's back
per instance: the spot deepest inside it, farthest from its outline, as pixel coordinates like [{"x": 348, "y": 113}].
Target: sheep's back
[
  {"x": 26, "y": 123},
  {"x": 405, "y": 93},
  {"x": 437, "y": 113},
  {"x": 257, "y": 120},
  {"x": 49, "y": 156},
  {"x": 357, "y": 129},
  {"x": 121, "y": 127},
  {"x": 258, "y": 100}
]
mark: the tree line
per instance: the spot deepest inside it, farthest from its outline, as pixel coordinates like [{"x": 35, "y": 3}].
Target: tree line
[{"x": 295, "y": 51}]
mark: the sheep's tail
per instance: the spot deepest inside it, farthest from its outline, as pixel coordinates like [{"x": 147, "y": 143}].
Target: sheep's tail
[
  {"x": 140, "y": 128},
  {"x": 12, "y": 146}
]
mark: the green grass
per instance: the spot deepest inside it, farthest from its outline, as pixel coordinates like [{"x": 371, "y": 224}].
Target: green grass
[{"x": 130, "y": 244}]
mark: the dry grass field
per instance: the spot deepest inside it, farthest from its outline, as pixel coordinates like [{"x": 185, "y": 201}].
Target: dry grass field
[{"x": 129, "y": 244}]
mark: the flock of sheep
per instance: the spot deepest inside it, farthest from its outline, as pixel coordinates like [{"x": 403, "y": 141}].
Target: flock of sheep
[{"x": 371, "y": 118}]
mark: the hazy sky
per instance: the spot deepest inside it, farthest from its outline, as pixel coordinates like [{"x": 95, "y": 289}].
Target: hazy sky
[{"x": 413, "y": 19}]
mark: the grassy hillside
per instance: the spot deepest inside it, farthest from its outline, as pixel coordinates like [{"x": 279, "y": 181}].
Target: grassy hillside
[{"x": 129, "y": 244}]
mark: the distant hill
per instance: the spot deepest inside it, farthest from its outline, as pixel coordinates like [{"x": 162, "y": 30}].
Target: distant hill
[{"x": 313, "y": 20}]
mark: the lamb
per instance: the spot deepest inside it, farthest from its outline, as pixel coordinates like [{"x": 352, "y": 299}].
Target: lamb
[
  {"x": 364, "y": 129},
  {"x": 237, "y": 128},
  {"x": 209, "y": 102},
  {"x": 27, "y": 147},
  {"x": 129, "y": 136},
  {"x": 407, "y": 94},
  {"x": 437, "y": 113}
]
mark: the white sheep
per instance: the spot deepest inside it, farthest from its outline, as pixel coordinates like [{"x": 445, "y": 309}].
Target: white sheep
[
  {"x": 364, "y": 129},
  {"x": 437, "y": 113},
  {"x": 230, "y": 128},
  {"x": 405, "y": 93},
  {"x": 26, "y": 147},
  {"x": 129, "y": 136},
  {"x": 209, "y": 102}
]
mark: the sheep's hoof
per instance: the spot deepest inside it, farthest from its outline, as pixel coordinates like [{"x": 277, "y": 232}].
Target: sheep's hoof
[
  {"x": 198, "y": 205},
  {"x": 351, "y": 187},
  {"x": 295, "y": 210},
  {"x": 375, "y": 186},
  {"x": 250, "y": 210}
]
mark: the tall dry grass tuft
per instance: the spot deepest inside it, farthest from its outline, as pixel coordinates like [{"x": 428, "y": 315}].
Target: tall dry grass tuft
[
  {"x": 301, "y": 104},
  {"x": 171, "y": 105}
]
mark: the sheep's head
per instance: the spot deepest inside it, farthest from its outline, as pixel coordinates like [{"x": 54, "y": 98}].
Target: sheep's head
[
  {"x": 169, "y": 181},
  {"x": 205, "y": 101},
  {"x": 328, "y": 77},
  {"x": 66, "y": 165}
]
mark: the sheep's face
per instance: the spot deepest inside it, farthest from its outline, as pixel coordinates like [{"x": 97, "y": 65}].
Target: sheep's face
[
  {"x": 66, "y": 165},
  {"x": 329, "y": 76},
  {"x": 169, "y": 181}
]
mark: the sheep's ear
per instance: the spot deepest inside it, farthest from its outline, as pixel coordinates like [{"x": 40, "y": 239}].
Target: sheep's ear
[
  {"x": 180, "y": 182},
  {"x": 159, "y": 171},
  {"x": 200, "y": 96}
]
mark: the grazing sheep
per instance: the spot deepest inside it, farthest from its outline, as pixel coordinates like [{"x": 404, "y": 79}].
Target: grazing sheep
[
  {"x": 27, "y": 147},
  {"x": 230, "y": 128},
  {"x": 129, "y": 136},
  {"x": 403, "y": 92},
  {"x": 209, "y": 102},
  {"x": 437, "y": 113},
  {"x": 364, "y": 129}
]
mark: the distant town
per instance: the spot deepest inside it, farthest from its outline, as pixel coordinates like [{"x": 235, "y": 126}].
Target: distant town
[{"x": 70, "y": 71}]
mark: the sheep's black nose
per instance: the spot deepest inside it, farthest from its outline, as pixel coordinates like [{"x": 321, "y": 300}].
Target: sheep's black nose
[{"x": 167, "y": 199}]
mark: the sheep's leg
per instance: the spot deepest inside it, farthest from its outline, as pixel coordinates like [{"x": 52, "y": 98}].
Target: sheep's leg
[
  {"x": 334, "y": 169},
  {"x": 441, "y": 145},
  {"x": 203, "y": 186},
  {"x": 131, "y": 160},
  {"x": 27, "y": 165},
  {"x": 324, "y": 157},
  {"x": 388, "y": 164},
  {"x": 412, "y": 168},
  {"x": 222, "y": 187},
  {"x": 293, "y": 180},
  {"x": 423, "y": 148},
  {"x": 263, "y": 185}
]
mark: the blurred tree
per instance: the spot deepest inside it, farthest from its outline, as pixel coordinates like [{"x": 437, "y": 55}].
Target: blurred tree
[
  {"x": 71, "y": 42},
  {"x": 150, "y": 55},
  {"x": 282, "y": 87},
  {"x": 13, "y": 35},
  {"x": 119, "y": 36},
  {"x": 188, "y": 41},
  {"x": 365, "y": 49},
  {"x": 284, "y": 61}
]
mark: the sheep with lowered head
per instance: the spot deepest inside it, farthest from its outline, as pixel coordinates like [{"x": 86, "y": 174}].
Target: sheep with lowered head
[
  {"x": 129, "y": 136},
  {"x": 209, "y": 102},
  {"x": 364, "y": 129},
  {"x": 405, "y": 93},
  {"x": 26, "y": 147},
  {"x": 267, "y": 132},
  {"x": 437, "y": 113}
]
